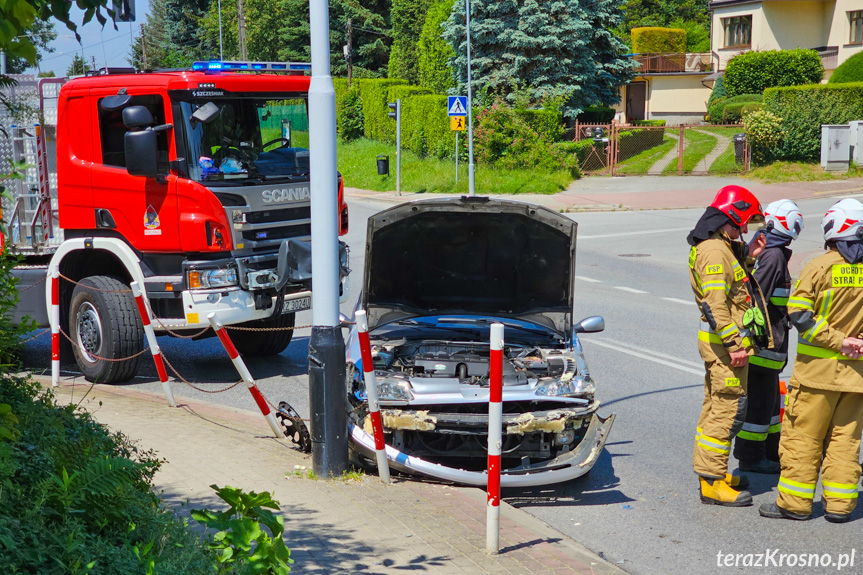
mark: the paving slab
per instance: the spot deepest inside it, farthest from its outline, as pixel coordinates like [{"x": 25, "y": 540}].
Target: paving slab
[{"x": 333, "y": 526}]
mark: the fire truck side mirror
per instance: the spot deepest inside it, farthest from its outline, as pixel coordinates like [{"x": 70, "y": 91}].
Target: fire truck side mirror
[
  {"x": 137, "y": 117},
  {"x": 141, "y": 154}
]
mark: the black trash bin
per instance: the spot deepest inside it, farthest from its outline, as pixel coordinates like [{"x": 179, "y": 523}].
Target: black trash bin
[
  {"x": 383, "y": 165},
  {"x": 739, "y": 148}
]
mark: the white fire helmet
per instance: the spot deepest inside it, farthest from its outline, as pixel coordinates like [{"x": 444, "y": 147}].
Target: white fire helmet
[
  {"x": 785, "y": 218},
  {"x": 844, "y": 221}
]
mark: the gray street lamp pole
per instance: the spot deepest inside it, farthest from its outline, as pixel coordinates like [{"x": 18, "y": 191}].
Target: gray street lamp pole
[{"x": 326, "y": 348}]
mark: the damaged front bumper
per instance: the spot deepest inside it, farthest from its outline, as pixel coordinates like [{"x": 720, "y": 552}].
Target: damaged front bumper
[{"x": 564, "y": 467}]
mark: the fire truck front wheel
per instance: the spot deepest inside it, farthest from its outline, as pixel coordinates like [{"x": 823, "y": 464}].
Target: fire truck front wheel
[
  {"x": 273, "y": 339},
  {"x": 105, "y": 327}
]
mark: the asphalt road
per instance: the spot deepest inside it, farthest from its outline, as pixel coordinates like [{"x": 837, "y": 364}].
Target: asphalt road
[{"x": 639, "y": 506}]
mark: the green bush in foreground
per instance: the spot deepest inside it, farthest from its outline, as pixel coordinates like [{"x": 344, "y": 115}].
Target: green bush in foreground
[
  {"x": 851, "y": 70},
  {"x": 764, "y": 131},
  {"x": 804, "y": 109},
  {"x": 753, "y": 72}
]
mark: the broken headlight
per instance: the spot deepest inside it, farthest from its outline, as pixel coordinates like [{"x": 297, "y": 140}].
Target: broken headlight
[
  {"x": 574, "y": 385},
  {"x": 393, "y": 388}
]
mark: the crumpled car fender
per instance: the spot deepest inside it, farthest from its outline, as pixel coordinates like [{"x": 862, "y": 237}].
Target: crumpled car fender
[{"x": 564, "y": 467}]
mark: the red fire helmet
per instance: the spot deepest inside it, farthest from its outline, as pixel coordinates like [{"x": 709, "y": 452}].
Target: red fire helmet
[{"x": 739, "y": 204}]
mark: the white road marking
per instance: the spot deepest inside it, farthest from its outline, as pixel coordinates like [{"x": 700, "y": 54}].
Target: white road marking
[
  {"x": 652, "y": 352},
  {"x": 677, "y": 300},
  {"x": 629, "y": 289},
  {"x": 591, "y": 280},
  {"x": 644, "y": 356},
  {"x": 641, "y": 233}
]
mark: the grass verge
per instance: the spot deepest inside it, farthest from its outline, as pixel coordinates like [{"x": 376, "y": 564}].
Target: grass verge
[
  {"x": 783, "y": 172},
  {"x": 359, "y": 169}
]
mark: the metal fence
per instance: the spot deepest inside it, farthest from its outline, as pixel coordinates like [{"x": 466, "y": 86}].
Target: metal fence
[{"x": 660, "y": 150}]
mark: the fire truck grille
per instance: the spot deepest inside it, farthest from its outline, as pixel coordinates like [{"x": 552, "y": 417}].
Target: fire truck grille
[
  {"x": 297, "y": 231},
  {"x": 283, "y": 215}
]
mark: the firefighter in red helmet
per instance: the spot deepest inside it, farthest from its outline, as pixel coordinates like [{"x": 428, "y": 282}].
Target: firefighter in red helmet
[{"x": 733, "y": 325}]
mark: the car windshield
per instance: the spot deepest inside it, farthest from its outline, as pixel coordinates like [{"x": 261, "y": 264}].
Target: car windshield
[{"x": 248, "y": 138}]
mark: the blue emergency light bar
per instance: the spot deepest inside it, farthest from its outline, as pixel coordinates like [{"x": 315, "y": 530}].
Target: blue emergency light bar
[{"x": 217, "y": 66}]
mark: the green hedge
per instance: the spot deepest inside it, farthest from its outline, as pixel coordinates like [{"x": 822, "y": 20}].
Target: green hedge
[
  {"x": 716, "y": 111},
  {"x": 804, "y": 109},
  {"x": 851, "y": 70},
  {"x": 434, "y": 52},
  {"x": 579, "y": 149},
  {"x": 753, "y": 72},
  {"x": 374, "y": 94},
  {"x": 596, "y": 115},
  {"x": 547, "y": 123},
  {"x": 733, "y": 113},
  {"x": 425, "y": 126},
  {"x": 349, "y": 115},
  {"x": 658, "y": 40},
  {"x": 633, "y": 142},
  {"x": 657, "y": 123}
]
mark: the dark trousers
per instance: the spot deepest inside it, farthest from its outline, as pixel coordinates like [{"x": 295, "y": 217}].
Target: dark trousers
[{"x": 759, "y": 438}]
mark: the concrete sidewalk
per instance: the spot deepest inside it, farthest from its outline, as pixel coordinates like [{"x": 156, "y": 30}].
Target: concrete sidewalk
[
  {"x": 331, "y": 526},
  {"x": 603, "y": 193}
]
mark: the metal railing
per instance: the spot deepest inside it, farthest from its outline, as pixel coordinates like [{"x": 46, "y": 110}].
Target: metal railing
[{"x": 671, "y": 62}]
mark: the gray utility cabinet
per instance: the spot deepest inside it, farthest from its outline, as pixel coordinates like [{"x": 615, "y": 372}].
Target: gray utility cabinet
[
  {"x": 835, "y": 147},
  {"x": 856, "y": 142}
]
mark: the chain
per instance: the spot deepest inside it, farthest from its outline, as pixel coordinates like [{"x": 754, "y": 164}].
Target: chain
[
  {"x": 70, "y": 280},
  {"x": 192, "y": 385},
  {"x": 75, "y": 344},
  {"x": 267, "y": 328},
  {"x": 34, "y": 285},
  {"x": 174, "y": 333},
  {"x": 37, "y": 336}
]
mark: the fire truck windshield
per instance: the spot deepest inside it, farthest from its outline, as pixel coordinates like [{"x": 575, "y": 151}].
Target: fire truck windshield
[{"x": 248, "y": 139}]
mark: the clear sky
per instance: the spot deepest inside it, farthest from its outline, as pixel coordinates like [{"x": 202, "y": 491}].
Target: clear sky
[{"x": 106, "y": 45}]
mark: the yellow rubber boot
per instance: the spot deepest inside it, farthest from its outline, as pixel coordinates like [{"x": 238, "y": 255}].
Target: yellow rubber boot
[
  {"x": 738, "y": 482},
  {"x": 718, "y": 492}
]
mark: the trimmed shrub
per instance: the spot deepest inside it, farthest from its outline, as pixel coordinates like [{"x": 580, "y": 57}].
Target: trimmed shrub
[
  {"x": 596, "y": 115},
  {"x": 425, "y": 126},
  {"x": 349, "y": 115},
  {"x": 732, "y": 113},
  {"x": 658, "y": 40},
  {"x": 547, "y": 123},
  {"x": 804, "y": 109},
  {"x": 579, "y": 149},
  {"x": 374, "y": 94},
  {"x": 765, "y": 134},
  {"x": 633, "y": 142},
  {"x": 716, "y": 112},
  {"x": 753, "y": 72},
  {"x": 656, "y": 123},
  {"x": 434, "y": 52},
  {"x": 851, "y": 70},
  {"x": 407, "y": 18}
]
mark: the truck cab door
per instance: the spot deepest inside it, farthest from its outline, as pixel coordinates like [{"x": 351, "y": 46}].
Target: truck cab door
[{"x": 142, "y": 210}]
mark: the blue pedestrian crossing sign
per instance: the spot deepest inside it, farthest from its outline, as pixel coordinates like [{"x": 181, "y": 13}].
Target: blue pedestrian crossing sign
[{"x": 457, "y": 105}]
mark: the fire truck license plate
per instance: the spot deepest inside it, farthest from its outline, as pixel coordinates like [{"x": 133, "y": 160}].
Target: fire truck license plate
[{"x": 299, "y": 304}]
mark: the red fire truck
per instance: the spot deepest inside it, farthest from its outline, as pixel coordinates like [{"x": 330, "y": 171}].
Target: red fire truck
[{"x": 192, "y": 183}]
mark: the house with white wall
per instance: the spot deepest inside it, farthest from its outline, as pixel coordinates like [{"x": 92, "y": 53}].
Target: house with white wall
[{"x": 676, "y": 87}]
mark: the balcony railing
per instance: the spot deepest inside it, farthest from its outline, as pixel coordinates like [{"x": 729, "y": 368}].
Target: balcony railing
[{"x": 674, "y": 62}]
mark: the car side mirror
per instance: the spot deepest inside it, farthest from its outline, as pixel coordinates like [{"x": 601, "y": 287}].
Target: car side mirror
[
  {"x": 142, "y": 156},
  {"x": 592, "y": 324},
  {"x": 345, "y": 321}
]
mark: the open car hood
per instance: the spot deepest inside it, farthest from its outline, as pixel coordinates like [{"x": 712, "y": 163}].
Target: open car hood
[{"x": 470, "y": 256}]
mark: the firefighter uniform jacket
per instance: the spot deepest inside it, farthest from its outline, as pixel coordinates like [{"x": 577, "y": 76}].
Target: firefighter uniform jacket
[
  {"x": 773, "y": 278},
  {"x": 717, "y": 279},
  {"x": 826, "y": 306}
]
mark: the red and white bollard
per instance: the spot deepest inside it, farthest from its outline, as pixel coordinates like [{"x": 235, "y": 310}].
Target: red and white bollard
[
  {"x": 495, "y": 425},
  {"x": 372, "y": 394},
  {"x": 244, "y": 373},
  {"x": 54, "y": 278},
  {"x": 151, "y": 339}
]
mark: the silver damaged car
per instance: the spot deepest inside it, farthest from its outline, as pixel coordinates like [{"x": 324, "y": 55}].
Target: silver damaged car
[{"x": 438, "y": 273}]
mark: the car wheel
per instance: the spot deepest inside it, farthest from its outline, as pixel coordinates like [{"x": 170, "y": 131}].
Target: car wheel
[
  {"x": 104, "y": 323},
  {"x": 264, "y": 343}
]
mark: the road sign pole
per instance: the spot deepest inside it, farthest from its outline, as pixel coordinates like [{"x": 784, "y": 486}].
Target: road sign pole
[
  {"x": 470, "y": 170},
  {"x": 328, "y": 417},
  {"x": 456, "y": 157}
]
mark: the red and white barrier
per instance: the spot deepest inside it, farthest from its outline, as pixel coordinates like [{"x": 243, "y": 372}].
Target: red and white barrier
[
  {"x": 495, "y": 425},
  {"x": 783, "y": 390},
  {"x": 245, "y": 374},
  {"x": 151, "y": 339},
  {"x": 372, "y": 394},
  {"x": 54, "y": 275}
]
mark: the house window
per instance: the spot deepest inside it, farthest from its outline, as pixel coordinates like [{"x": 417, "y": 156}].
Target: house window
[
  {"x": 855, "y": 19},
  {"x": 738, "y": 31}
]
